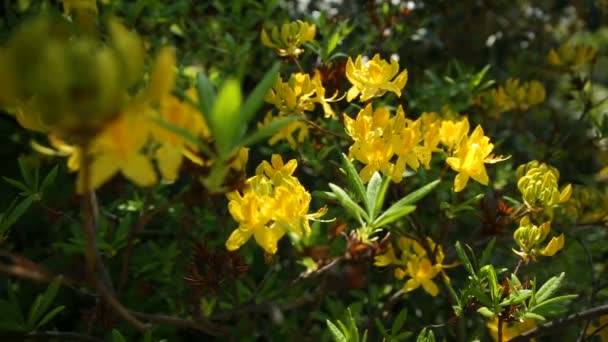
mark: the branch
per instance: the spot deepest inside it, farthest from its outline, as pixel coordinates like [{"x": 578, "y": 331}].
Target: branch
[
  {"x": 561, "y": 323},
  {"x": 94, "y": 265},
  {"x": 49, "y": 335},
  {"x": 200, "y": 325}
]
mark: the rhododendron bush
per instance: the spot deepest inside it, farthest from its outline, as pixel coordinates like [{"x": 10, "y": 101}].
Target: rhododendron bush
[{"x": 303, "y": 170}]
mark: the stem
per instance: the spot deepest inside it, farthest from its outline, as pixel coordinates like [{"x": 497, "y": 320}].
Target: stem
[
  {"x": 499, "y": 328},
  {"x": 201, "y": 325},
  {"x": 49, "y": 336},
  {"x": 562, "y": 323},
  {"x": 95, "y": 265}
]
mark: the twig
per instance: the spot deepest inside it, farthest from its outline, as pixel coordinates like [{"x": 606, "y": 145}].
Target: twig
[
  {"x": 561, "y": 323},
  {"x": 93, "y": 264},
  {"x": 324, "y": 130},
  {"x": 594, "y": 284},
  {"x": 49, "y": 335},
  {"x": 200, "y": 325}
]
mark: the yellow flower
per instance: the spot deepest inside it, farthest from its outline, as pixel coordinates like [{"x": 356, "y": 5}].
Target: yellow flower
[
  {"x": 555, "y": 245},
  {"x": 387, "y": 258},
  {"x": 469, "y": 159},
  {"x": 272, "y": 204},
  {"x": 451, "y": 132},
  {"x": 118, "y": 149},
  {"x": 422, "y": 272},
  {"x": 509, "y": 330},
  {"x": 414, "y": 263},
  {"x": 569, "y": 54},
  {"x": 299, "y": 94},
  {"x": 289, "y": 39},
  {"x": 373, "y": 145},
  {"x": 374, "y": 78},
  {"x": 512, "y": 95},
  {"x": 179, "y": 114}
]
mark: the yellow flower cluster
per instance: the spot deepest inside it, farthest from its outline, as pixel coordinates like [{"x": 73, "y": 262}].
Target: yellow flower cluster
[
  {"x": 298, "y": 95},
  {"x": 587, "y": 205},
  {"x": 571, "y": 55},
  {"x": 412, "y": 261},
  {"x": 378, "y": 138},
  {"x": 538, "y": 184},
  {"x": 289, "y": 38},
  {"x": 273, "y": 203},
  {"x": 529, "y": 237},
  {"x": 514, "y": 95},
  {"x": 373, "y": 78}
]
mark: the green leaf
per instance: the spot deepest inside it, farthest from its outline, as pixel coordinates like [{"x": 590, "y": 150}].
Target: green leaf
[
  {"x": 531, "y": 315},
  {"x": 549, "y": 288},
  {"x": 226, "y": 123},
  {"x": 336, "y": 334},
  {"x": 49, "y": 179},
  {"x": 553, "y": 307},
  {"x": 516, "y": 297},
  {"x": 381, "y": 327},
  {"x": 117, "y": 336},
  {"x": 17, "y": 184},
  {"x": 464, "y": 259},
  {"x": 485, "y": 312},
  {"x": 490, "y": 273},
  {"x": 326, "y": 195},
  {"x": 485, "y": 255},
  {"x": 12, "y": 217},
  {"x": 26, "y": 173},
  {"x": 551, "y": 304},
  {"x": 354, "y": 181},
  {"x": 269, "y": 129},
  {"x": 206, "y": 95},
  {"x": 255, "y": 100},
  {"x": 392, "y": 214},
  {"x": 353, "y": 208},
  {"x": 352, "y": 326},
  {"x": 372, "y": 194},
  {"x": 418, "y": 194},
  {"x": 43, "y": 302},
  {"x": 50, "y": 315},
  {"x": 398, "y": 322}
]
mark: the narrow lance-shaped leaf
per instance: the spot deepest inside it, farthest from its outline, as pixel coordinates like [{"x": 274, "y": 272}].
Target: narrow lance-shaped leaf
[
  {"x": 373, "y": 191},
  {"x": 255, "y": 100},
  {"x": 206, "y": 95},
  {"x": 226, "y": 122},
  {"x": 392, "y": 214},
  {"x": 549, "y": 288},
  {"x": 336, "y": 334},
  {"x": 354, "y": 180},
  {"x": 464, "y": 259},
  {"x": 418, "y": 194},
  {"x": 485, "y": 255},
  {"x": 353, "y": 208},
  {"x": 43, "y": 302}
]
